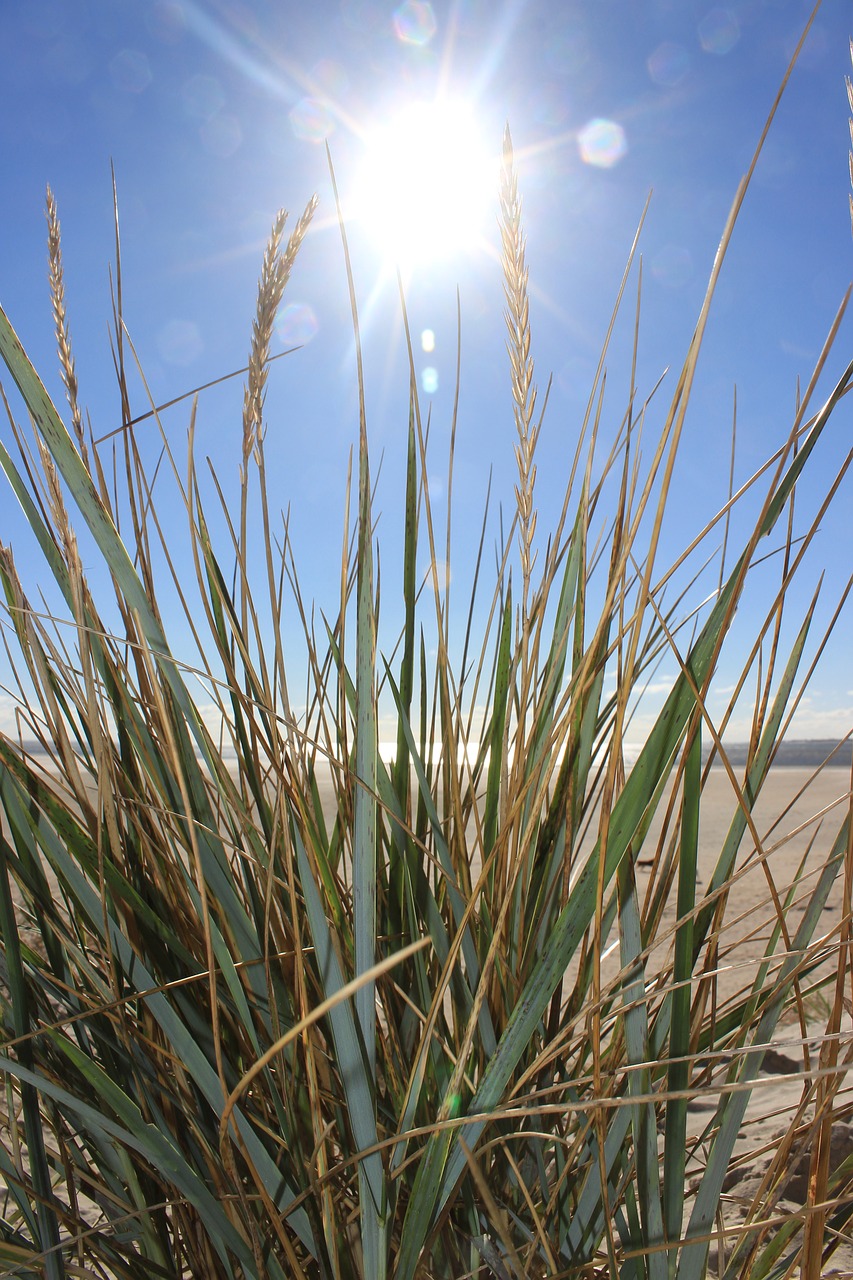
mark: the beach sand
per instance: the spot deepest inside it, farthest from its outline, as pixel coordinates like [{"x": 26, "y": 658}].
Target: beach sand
[{"x": 796, "y": 820}]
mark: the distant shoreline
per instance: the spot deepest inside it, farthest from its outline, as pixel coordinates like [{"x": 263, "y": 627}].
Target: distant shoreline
[{"x": 804, "y": 753}]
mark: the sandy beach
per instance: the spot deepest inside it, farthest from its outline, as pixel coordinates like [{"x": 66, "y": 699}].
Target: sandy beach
[{"x": 796, "y": 818}]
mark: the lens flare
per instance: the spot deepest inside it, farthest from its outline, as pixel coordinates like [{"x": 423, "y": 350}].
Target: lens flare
[
  {"x": 203, "y": 97},
  {"x": 296, "y": 324},
  {"x": 669, "y": 64},
  {"x": 429, "y": 380},
  {"x": 130, "y": 71},
  {"x": 719, "y": 31},
  {"x": 602, "y": 143},
  {"x": 311, "y": 120},
  {"x": 414, "y": 22}
]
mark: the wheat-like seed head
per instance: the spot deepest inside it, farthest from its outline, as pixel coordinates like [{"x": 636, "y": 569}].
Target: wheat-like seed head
[
  {"x": 55, "y": 499},
  {"x": 17, "y": 604},
  {"x": 60, "y": 319},
  {"x": 275, "y": 273},
  {"x": 518, "y": 346},
  {"x": 296, "y": 237},
  {"x": 262, "y": 325}
]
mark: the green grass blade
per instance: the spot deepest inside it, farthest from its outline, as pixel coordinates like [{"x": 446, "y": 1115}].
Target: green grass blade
[
  {"x": 755, "y": 779},
  {"x": 678, "y": 1072},
  {"x": 81, "y": 485},
  {"x": 491, "y": 808},
  {"x": 587, "y": 1223},
  {"x": 639, "y": 1075},
  {"x": 35, "y": 522},
  {"x": 400, "y": 773},
  {"x": 373, "y": 1209},
  {"x": 733, "y": 1106},
  {"x": 48, "y": 1224},
  {"x": 457, "y": 901},
  {"x": 354, "y": 1068},
  {"x": 407, "y": 666},
  {"x": 17, "y": 1194},
  {"x": 373, "y": 1206},
  {"x": 794, "y": 471},
  {"x": 555, "y": 663}
]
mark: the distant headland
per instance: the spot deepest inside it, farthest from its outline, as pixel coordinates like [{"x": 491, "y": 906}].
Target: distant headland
[{"x": 806, "y": 753}]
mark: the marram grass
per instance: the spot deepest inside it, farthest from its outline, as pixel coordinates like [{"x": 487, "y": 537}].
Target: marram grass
[{"x": 429, "y": 1027}]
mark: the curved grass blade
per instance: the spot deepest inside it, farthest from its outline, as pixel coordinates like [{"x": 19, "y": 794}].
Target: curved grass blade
[
  {"x": 491, "y": 807},
  {"x": 372, "y": 1197},
  {"x": 692, "y": 1262},
  {"x": 47, "y": 1236},
  {"x": 639, "y": 1057},
  {"x": 678, "y": 1071},
  {"x": 355, "y": 1071}
]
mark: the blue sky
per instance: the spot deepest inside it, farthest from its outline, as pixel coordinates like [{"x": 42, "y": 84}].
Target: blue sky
[{"x": 214, "y": 115}]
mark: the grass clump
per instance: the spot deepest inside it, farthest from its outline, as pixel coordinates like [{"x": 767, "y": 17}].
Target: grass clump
[{"x": 272, "y": 1007}]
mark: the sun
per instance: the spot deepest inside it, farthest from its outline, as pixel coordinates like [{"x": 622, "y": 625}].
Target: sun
[{"x": 427, "y": 183}]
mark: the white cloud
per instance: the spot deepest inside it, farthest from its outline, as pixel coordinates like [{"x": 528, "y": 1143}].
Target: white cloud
[
  {"x": 816, "y": 721},
  {"x": 663, "y": 684}
]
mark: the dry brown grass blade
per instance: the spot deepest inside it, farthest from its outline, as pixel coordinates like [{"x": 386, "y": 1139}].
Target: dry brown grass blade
[
  {"x": 496, "y": 1216},
  {"x": 313, "y": 1016}
]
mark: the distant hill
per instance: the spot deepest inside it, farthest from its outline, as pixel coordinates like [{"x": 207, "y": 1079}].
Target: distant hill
[{"x": 805, "y": 754}]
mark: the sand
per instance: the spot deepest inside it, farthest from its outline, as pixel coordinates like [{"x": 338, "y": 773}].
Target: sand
[{"x": 795, "y": 819}]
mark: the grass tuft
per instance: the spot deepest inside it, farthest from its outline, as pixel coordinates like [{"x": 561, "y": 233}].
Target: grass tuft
[{"x": 271, "y": 1007}]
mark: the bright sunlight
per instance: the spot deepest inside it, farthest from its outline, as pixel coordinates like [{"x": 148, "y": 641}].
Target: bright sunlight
[{"x": 427, "y": 183}]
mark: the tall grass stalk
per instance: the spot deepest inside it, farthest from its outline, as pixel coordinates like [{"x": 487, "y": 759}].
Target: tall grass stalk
[{"x": 272, "y": 1007}]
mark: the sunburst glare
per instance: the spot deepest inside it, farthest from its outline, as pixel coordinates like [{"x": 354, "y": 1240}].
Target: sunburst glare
[{"x": 427, "y": 183}]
